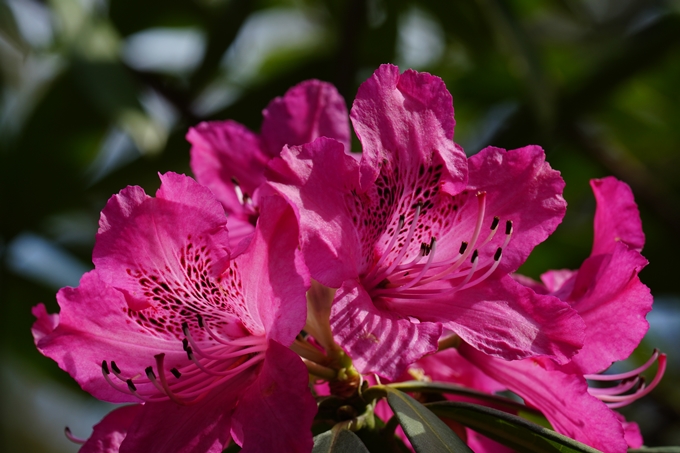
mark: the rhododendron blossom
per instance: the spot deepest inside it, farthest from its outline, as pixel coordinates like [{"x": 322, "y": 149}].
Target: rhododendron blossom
[
  {"x": 230, "y": 159},
  {"x": 294, "y": 288},
  {"x": 417, "y": 237},
  {"x": 607, "y": 293},
  {"x": 171, "y": 320}
]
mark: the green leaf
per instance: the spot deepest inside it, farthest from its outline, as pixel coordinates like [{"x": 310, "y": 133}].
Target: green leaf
[
  {"x": 442, "y": 387},
  {"x": 508, "y": 429},
  {"x": 427, "y": 433},
  {"x": 338, "y": 441}
]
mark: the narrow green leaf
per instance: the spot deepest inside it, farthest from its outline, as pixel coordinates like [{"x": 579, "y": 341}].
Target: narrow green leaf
[
  {"x": 508, "y": 429},
  {"x": 442, "y": 387},
  {"x": 338, "y": 441},
  {"x": 427, "y": 433}
]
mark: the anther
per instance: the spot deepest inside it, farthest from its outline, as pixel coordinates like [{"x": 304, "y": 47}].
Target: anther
[
  {"x": 149, "y": 373},
  {"x": 175, "y": 372},
  {"x": 69, "y": 435},
  {"x": 200, "y": 320},
  {"x": 185, "y": 343},
  {"x": 234, "y": 181},
  {"x": 131, "y": 386},
  {"x": 189, "y": 353},
  {"x": 495, "y": 223},
  {"x": 508, "y": 227},
  {"x": 115, "y": 368},
  {"x": 498, "y": 254},
  {"x": 105, "y": 367},
  {"x": 463, "y": 247},
  {"x": 185, "y": 328},
  {"x": 475, "y": 254}
]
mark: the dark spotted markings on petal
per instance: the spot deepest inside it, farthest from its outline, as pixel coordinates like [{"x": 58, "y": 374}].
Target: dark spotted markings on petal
[
  {"x": 398, "y": 220},
  {"x": 224, "y": 342}
]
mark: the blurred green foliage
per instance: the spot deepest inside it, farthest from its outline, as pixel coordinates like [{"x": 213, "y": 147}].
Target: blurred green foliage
[{"x": 96, "y": 95}]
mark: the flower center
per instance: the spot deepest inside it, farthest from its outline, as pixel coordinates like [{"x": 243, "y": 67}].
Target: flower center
[
  {"x": 212, "y": 363},
  {"x": 428, "y": 273}
]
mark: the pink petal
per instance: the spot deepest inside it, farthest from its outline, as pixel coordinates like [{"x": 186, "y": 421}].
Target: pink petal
[
  {"x": 45, "y": 323},
  {"x": 449, "y": 366},
  {"x": 559, "y": 283},
  {"x": 109, "y": 433},
  {"x": 505, "y": 319},
  {"x": 616, "y": 218},
  {"x": 520, "y": 186},
  {"x": 95, "y": 324},
  {"x": 307, "y": 111},
  {"x": 142, "y": 238},
  {"x": 198, "y": 428},
  {"x": 631, "y": 432},
  {"x": 378, "y": 340},
  {"x": 319, "y": 176},
  {"x": 273, "y": 275},
  {"x": 275, "y": 413},
  {"x": 406, "y": 118},
  {"x": 610, "y": 298},
  {"x": 222, "y": 150},
  {"x": 563, "y": 398}
]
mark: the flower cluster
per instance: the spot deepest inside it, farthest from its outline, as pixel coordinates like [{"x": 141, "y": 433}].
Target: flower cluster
[{"x": 230, "y": 308}]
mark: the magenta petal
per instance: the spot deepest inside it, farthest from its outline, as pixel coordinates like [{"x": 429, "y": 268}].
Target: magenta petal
[
  {"x": 93, "y": 327},
  {"x": 226, "y": 150},
  {"x": 142, "y": 237},
  {"x": 273, "y": 274},
  {"x": 520, "y": 186},
  {"x": 321, "y": 175},
  {"x": 616, "y": 218},
  {"x": 109, "y": 433},
  {"x": 613, "y": 302},
  {"x": 449, "y": 366},
  {"x": 200, "y": 428},
  {"x": 563, "y": 398},
  {"x": 307, "y": 111},
  {"x": 407, "y": 117},
  {"x": 275, "y": 413},
  {"x": 379, "y": 341},
  {"x": 506, "y": 319},
  {"x": 631, "y": 431},
  {"x": 45, "y": 323}
]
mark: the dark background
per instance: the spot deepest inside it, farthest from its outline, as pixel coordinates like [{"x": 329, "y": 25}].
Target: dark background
[{"x": 96, "y": 95}]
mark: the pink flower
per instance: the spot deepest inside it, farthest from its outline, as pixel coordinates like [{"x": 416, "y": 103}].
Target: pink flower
[
  {"x": 230, "y": 160},
  {"x": 170, "y": 319},
  {"x": 608, "y": 294},
  {"x": 416, "y": 237}
]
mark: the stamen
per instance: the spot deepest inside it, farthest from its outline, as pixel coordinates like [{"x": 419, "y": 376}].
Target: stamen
[
  {"x": 237, "y": 189},
  {"x": 160, "y": 358},
  {"x": 69, "y": 435},
  {"x": 417, "y": 278},
  {"x": 497, "y": 261},
  {"x": 106, "y": 372},
  {"x": 613, "y": 397}
]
